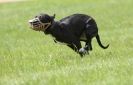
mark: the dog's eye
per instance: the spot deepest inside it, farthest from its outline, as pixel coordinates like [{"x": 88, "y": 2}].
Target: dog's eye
[{"x": 35, "y": 16}]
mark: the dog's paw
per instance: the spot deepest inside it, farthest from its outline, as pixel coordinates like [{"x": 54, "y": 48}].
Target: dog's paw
[{"x": 82, "y": 51}]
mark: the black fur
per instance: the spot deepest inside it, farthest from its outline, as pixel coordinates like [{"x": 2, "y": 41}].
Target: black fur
[{"x": 73, "y": 29}]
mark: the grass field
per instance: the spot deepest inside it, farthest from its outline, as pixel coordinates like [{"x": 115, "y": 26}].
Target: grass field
[{"x": 32, "y": 58}]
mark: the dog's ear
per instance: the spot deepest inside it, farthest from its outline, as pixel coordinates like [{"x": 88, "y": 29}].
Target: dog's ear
[{"x": 53, "y": 17}]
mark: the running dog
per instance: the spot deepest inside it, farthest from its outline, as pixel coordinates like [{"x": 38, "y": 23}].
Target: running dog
[{"x": 70, "y": 30}]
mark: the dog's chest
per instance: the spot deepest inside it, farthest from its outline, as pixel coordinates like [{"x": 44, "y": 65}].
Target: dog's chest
[{"x": 83, "y": 37}]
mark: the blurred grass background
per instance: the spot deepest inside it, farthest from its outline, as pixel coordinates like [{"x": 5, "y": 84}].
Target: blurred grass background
[{"x": 31, "y": 58}]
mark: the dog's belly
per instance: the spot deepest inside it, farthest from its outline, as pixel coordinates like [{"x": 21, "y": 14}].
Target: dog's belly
[{"x": 83, "y": 37}]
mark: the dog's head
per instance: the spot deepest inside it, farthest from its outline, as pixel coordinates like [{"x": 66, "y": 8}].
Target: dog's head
[{"x": 41, "y": 22}]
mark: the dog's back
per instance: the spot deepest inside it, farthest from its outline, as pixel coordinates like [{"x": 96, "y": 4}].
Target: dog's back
[
  {"x": 75, "y": 18},
  {"x": 75, "y": 23}
]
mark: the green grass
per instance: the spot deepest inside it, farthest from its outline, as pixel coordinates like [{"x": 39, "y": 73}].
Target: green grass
[{"x": 31, "y": 58}]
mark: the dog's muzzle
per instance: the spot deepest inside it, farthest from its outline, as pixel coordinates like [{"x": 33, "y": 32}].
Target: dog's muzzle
[{"x": 37, "y": 25}]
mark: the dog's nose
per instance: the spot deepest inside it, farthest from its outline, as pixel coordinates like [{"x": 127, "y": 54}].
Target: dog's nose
[{"x": 30, "y": 21}]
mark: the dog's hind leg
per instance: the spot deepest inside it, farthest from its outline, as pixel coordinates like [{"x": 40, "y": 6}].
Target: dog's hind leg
[
  {"x": 91, "y": 30},
  {"x": 88, "y": 45}
]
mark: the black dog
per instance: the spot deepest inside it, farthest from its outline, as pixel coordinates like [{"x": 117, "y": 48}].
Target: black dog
[{"x": 70, "y": 30}]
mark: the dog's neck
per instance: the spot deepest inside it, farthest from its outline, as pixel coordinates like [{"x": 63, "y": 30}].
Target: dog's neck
[{"x": 50, "y": 29}]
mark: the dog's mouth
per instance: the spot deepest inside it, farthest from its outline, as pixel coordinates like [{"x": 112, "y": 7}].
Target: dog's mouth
[
  {"x": 34, "y": 24},
  {"x": 37, "y": 25}
]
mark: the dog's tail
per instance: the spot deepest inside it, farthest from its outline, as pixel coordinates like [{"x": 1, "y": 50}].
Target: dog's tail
[{"x": 99, "y": 42}]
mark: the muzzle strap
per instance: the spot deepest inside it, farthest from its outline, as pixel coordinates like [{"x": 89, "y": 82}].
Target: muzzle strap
[{"x": 43, "y": 25}]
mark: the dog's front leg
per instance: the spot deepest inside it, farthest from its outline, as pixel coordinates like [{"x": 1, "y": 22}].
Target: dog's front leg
[
  {"x": 76, "y": 46},
  {"x": 73, "y": 47}
]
